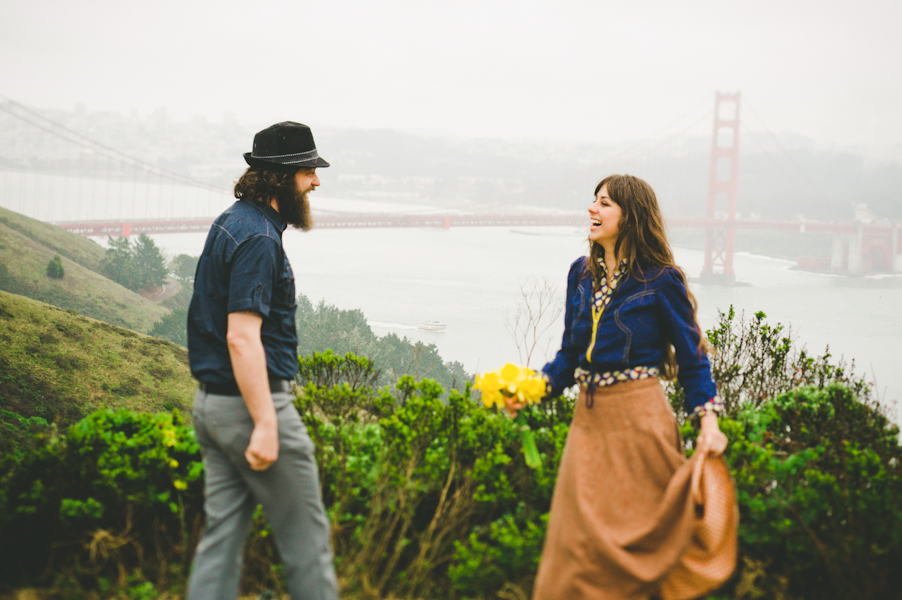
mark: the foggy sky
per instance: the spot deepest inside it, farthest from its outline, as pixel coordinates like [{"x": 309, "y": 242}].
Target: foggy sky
[{"x": 577, "y": 70}]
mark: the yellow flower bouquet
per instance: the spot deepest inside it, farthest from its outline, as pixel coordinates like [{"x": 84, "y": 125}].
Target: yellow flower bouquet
[{"x": 521, "y": 384}]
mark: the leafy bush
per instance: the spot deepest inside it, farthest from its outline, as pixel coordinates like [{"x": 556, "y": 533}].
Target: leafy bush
[
  {"x": 120, "y": 490},
  {"x": 406, "y": 475},
  {"x": 55, "y": 268},
  {"x": 753, "y": 361},
  {"x": 173, "y": 327},
  {"x": 17, "y": 430},
  {"x": 501, "y": 557},
  {"x": 819, "y": 482},
  {"x": 429, "y": 496}
]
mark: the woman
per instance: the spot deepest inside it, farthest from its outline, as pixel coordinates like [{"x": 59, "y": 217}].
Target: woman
[{"x": 623, "y": 516}]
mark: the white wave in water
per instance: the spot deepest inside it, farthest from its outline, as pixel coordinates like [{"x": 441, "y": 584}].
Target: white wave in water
[{"x": 784, "y": 261}]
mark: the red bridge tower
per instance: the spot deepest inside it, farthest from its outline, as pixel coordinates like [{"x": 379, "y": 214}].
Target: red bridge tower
[{"x": 722, "y": 188}]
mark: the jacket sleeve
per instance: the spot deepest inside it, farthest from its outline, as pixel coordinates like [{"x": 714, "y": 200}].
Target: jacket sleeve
[
  {"x": 559, "y": 372},
  {"x": 683, "y": 332}
]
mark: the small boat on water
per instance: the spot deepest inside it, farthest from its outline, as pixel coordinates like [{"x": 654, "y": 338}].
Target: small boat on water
[{"x": 432, "y": 326}]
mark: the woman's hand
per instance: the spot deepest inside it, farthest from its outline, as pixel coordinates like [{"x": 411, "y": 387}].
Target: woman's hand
[
  {"x": 512, "y": 407},
  {"x": 711, "y": 438}
]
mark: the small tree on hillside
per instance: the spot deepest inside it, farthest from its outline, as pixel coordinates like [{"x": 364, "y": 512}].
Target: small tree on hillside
[
  {"x": 150, "y": 265},
  {"x": 117, "y": 262},
  {"x": 55, "y": 268},
  {"x": 183, "y": 267}
]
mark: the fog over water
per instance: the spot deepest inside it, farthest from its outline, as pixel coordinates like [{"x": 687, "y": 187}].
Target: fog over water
[
  {"x": 531, "y": 69},
  {"x": 469, "y": 279}
]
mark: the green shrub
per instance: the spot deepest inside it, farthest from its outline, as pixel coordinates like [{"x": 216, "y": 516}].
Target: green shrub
[
  {"x": 119, "y": 489},
  {"x": 173, "y": 327},
  {"x": 407, "y": 475},
  {"x": 819, "y": 482},
  {"x": 429, "y": 496},
  {"x": 503, "y": 556},
  {"x": 55, "y": 268},
  {"x": 753, "y": 361}
]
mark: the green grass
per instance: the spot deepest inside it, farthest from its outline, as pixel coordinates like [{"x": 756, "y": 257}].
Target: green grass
[
  {"x": 58, "y": 365},
  {"x": 26, "y": 246},
  {"x": 76, "y": 248}
]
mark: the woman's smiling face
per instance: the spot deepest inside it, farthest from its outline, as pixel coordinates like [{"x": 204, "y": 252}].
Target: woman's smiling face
[{"x": 605, "y": 215}]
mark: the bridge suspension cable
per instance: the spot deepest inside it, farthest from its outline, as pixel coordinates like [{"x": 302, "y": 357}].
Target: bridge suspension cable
[
  {"x": 82, "y": 141},
  {"x": 618, "y": 159},
  {"x": 88, "y": 179},
  {"x": 788, "y": 156}
]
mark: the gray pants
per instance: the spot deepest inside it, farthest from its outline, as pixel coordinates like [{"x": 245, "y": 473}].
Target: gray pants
[{"x": 288, "y": 491}]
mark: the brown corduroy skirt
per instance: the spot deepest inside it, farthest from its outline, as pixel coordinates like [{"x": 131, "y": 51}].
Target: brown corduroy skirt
[{"x": 631, "y": 518}]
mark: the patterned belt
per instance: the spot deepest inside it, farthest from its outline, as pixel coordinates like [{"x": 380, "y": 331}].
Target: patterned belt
[{"x": 594, "y": 380}]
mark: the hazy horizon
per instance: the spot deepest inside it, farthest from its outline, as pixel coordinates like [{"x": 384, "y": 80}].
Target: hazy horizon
[{"x": 577, "y": 71}]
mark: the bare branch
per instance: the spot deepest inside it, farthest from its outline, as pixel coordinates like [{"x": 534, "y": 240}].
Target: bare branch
[{"x": 537, "y": 310}]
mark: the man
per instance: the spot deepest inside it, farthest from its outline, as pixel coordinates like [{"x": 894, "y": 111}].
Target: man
[{"x": 242, "y": 346}]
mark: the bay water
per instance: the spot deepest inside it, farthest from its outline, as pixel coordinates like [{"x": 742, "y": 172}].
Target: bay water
[{"x": 471, "y": 278}]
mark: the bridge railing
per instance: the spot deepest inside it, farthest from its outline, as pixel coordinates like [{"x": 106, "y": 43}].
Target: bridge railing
[{"x": 332, "y": 221}]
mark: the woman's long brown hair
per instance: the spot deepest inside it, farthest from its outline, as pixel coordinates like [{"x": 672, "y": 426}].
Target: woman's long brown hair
[{"x": 643, "y": 242}]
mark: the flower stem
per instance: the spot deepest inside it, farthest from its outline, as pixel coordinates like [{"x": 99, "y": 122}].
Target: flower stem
[{"x": 530, "y": 452}]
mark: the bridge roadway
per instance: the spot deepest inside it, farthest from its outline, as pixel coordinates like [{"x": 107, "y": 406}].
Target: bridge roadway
[{"x": 127, "y": 227}]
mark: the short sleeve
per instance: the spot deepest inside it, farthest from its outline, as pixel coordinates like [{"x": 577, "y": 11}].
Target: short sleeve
[{"x": 254, "y": 266}]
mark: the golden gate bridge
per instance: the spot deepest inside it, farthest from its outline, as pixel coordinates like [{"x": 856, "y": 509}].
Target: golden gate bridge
[{"x": 857, "y": 247}]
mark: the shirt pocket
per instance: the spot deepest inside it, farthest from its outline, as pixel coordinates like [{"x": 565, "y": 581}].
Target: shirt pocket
[
  {"x": 286, "y": 295},
  {"x": 581, "y": 305},
  {"x": 635, "y": 317}
]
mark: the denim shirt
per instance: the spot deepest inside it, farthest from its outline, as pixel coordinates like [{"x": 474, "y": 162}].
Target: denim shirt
[
  {"x": 243, "y": 267},
  {"x": 642, "y": 317}
]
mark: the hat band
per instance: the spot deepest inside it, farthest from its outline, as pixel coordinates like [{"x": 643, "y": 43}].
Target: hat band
[
  {"x": 306, "y": 155},
  {"x": 314, "y": 155}
]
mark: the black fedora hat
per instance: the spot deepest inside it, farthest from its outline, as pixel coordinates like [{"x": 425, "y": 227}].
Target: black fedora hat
[{"x": 285, "y": 146}]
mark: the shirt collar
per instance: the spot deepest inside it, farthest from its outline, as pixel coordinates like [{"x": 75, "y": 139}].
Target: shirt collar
[
  {"x": 271, "y": 214},
  {"x": 620, "y": 270}
]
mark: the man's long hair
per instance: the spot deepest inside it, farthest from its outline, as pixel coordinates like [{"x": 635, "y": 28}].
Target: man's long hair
[
  {"x": 261, "y": 187},
  {"x": 643, "y": 242}
]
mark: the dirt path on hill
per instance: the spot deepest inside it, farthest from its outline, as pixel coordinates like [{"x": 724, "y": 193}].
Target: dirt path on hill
[{"x": 170, "y": 288}]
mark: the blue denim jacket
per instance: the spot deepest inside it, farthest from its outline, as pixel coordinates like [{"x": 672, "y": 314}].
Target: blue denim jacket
[
  {"x": 243, "y": 267},
  {"x": 642, "y": 317}
]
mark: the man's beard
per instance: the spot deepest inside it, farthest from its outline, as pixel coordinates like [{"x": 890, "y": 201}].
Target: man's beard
[{"x": 294, "y": 207}]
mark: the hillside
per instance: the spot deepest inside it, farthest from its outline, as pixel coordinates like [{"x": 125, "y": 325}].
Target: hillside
[
  {"x": 68, "y": 245},
  {"x": 27, "y": 245},
  {"x": 59, "y": 365}
]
